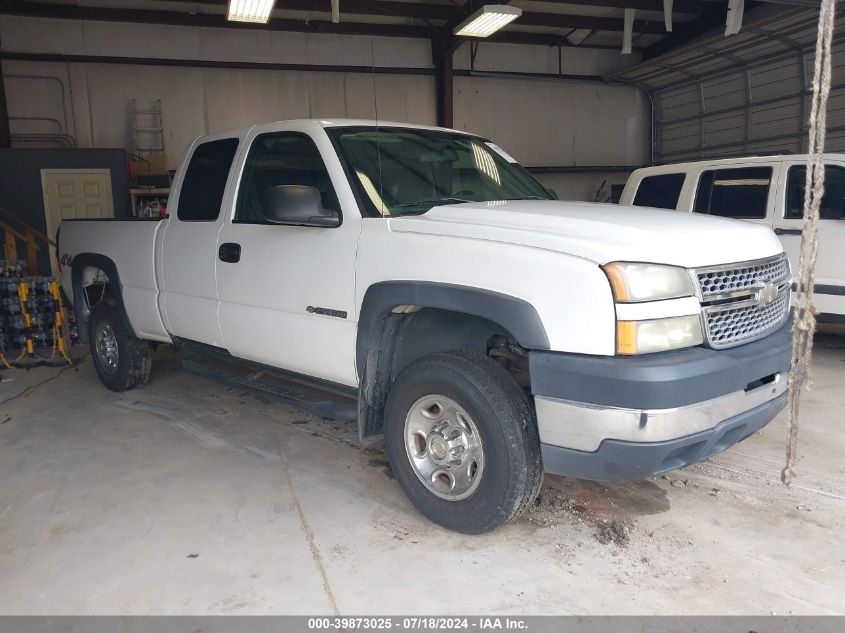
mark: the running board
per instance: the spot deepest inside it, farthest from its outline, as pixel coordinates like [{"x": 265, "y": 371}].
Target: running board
[{"x": 319, "y": 402}]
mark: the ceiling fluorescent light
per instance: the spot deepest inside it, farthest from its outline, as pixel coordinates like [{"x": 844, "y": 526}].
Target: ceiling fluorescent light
[
  {"x": 487, "y": 20},
  {"x": 250, "y": 10}
]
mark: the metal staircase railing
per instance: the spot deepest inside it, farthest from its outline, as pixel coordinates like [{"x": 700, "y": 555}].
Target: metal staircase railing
[{"x": 14, "y": 230}]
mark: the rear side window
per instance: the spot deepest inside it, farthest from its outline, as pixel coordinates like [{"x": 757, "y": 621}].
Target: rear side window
[
  {"x": 660, "y": 191},
  {"x": 734, "y": 193},
  {"x": 205, "y": 180},
  {"x": 833, "y": 200}
]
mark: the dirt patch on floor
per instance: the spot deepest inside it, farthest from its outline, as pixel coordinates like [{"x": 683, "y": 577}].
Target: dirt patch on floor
[
  {"x": 562, "y": 498},
  {"x": 609, "y": 509},
  {"x": 383, "y": 465},
  {"x": 63, "y": 529},
  {"x": 618, "y": 532}
]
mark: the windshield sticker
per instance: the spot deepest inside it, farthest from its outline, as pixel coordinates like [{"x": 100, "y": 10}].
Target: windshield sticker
[{"x": 500, "y": 152}]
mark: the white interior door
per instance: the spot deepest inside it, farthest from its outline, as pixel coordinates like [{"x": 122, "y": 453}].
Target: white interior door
[{"x": 75, "y": 194}]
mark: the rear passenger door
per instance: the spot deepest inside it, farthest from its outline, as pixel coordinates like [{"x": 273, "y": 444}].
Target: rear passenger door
[
  {"x": 789, "y": 221},
  {"x": 743, "y": 192},
  {"x": 188, "y": 253}
]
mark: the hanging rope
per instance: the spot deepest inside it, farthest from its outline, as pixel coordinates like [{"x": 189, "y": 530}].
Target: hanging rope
[{"x": 805, "y": 316}]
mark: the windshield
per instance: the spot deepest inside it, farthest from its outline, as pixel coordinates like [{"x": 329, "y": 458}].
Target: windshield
[{"x": 406, "y": 171}]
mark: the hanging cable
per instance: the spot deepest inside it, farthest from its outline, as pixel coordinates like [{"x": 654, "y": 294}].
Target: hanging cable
[{"x": 805, "y": 317}]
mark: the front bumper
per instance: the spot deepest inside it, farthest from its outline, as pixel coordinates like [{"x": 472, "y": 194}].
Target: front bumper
[{"x": 628, "y": 418}]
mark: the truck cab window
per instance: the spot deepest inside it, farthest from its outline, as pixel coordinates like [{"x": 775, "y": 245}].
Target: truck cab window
[
  {"x": 205, "y": 180},
  {"x": 660, "y": 191},
  {"x": 833, "y": 200},
  {"x": 734, "y": 193},
  {"x": 281, "y": 158}
]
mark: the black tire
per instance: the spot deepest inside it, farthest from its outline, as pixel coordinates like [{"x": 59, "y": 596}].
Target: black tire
[
  {"x": 131, "y": 368},
  {"x": 505, "y": 421}
]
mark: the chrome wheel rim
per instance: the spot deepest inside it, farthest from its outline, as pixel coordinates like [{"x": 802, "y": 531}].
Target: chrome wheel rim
[
  {"x": 105, "y": 343},
  {"x": 444, "y": 447}
]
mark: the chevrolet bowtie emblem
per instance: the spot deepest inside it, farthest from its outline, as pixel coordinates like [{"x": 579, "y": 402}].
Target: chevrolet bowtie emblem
[{"x": 767, "y": 294}]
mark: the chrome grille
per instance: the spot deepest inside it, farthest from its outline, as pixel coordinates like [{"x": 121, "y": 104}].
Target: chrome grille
[
  {"x": 735, "y": 306},
  {"x": 735, "y": 326},
  {"x": 748, "y": 275}
]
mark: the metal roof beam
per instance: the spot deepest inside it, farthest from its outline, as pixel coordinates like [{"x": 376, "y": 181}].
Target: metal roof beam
[
  {"x": 209, "y": 63},
  {"x": 738, "y": 61},
  {"x": 588, "y": 22},
  {"x": 778, "y": 37},
  {"x": 452, "y": 17},
  {"x": 5, "y": 132},
  {"x": 679, "y": 69},
  {"x": 681, "y": 6},
  {"x": 541, "y": 39},
  {"x": 420, "y": 10},
  {"x": 109, "y": 14},
  {"x": 145, "y": 16},
  {"x": 806, "y": 20},
  {"x": 815, "y": 4},
  {"x": 684, "y": 32}
]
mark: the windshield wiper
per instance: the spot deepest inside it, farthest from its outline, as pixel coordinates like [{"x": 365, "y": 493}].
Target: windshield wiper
[
  {"x": 529, "y": 198},
  {"x": 417, "y": 203}
]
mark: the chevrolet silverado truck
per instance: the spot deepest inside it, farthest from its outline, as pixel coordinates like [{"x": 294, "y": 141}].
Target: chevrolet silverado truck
[{"x": 487, "y": 331}]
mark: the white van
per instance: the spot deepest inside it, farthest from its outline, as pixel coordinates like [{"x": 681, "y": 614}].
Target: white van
[{"x": 765, "y": 190}]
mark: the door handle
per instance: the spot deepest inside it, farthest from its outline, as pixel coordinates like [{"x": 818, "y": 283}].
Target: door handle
[
  {"x": 229, "y": 252},
  {"x": 787, "y": 231}
]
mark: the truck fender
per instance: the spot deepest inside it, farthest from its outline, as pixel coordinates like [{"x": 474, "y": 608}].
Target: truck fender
[
  {"x": 80, "y": 302},
  {"x": 453, "y": 317}
]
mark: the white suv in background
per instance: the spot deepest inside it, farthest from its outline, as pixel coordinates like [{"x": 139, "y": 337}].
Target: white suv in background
[{"x": 762, "y": 189}]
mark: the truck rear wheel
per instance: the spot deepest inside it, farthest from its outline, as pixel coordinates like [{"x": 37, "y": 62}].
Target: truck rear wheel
[
  {"x": 122, "y": 361},
  {"x": 462, "y": 441}
]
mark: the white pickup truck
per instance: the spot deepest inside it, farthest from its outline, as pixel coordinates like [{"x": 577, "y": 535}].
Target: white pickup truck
[{"x": 488, "y": 331}]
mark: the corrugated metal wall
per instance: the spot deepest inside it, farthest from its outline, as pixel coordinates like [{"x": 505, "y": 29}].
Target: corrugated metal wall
[
  {"x": 744, "y": 94},
  {"x": 759, "y": 109}
]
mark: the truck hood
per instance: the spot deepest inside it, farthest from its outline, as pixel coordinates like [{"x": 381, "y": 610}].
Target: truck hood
[{"x": 600, "y": 232}]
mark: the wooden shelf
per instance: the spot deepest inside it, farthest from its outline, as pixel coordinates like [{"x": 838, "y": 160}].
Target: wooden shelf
[{"x": 146, "y": 202}]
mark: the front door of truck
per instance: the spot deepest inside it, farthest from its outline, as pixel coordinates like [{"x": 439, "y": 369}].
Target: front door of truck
[
  {"x": 288, "y": 300},
  {"x": 188, "y": 250},
  {"x": 789, "y": 220}
]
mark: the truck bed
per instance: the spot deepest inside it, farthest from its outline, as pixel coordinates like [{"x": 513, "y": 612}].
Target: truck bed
[{"x": 130, "y": 245}]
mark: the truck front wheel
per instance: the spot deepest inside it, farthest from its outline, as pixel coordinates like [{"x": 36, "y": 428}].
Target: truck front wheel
[
  {"x": 122, "y": 361},
  {"x": 462, "y": 441}
]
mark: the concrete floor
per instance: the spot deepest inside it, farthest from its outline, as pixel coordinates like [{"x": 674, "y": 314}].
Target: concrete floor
[{"x": 187, "y": 497}]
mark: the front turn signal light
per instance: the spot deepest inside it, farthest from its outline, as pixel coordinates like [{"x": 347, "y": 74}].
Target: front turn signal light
[{"x": 658, "y": 335}]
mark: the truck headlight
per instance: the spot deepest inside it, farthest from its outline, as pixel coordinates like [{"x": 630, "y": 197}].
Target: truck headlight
[
  {"x": 658, "y": 335},
  {"x": 633, "y": 282}
]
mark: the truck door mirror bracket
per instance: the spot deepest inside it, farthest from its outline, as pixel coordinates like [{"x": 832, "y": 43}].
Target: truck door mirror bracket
[{"x": 297, "y": 205}]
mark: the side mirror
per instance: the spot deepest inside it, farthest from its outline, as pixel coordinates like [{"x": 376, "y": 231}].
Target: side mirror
[{"x": 297, "y": 205}]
